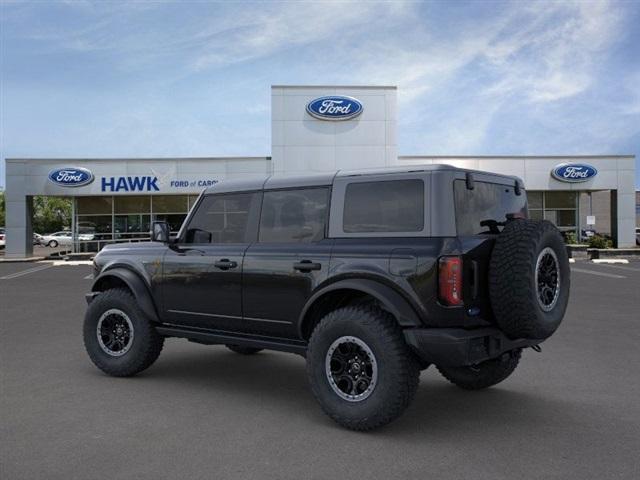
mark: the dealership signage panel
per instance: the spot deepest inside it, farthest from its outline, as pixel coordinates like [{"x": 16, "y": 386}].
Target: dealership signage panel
[
  {"x": 574, "y": 172},
  {"x": 71, "y": 177},
  {"x": 170, "y": 182},
  {"x": 334, "y": 107}
]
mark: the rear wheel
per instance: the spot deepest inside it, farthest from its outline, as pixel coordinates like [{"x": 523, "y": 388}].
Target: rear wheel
[
  {"x": 118, "y": 337},
  {"x": 360, "y": 369},
  {"x": 243, "y": 350},
  {"x": 53, "y": 243},
  {"x": 485, "y": 374}
]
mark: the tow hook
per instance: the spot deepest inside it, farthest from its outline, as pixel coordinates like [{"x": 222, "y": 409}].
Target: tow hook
[{"x": 536, "y": 348}]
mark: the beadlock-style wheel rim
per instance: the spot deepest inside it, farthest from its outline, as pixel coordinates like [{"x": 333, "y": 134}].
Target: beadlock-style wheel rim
[
  {"x": 115, "y": 332},
  {"x": 351, "y": 369},
  {"x": 547, "y": 279}
]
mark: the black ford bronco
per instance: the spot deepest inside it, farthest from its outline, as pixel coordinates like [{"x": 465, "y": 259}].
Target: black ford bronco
[{"x": 372, "y": 276}]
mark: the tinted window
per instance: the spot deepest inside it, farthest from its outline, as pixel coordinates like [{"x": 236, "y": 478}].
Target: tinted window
[
  {"x": 389, "y": 206},
  {"x": 294, "y": 215},
  {"x": 486, "y": 202},
  {"x": 222, "y": 219}
]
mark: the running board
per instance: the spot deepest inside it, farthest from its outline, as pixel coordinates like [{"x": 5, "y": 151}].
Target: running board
[{"x": 220, "y": 337}]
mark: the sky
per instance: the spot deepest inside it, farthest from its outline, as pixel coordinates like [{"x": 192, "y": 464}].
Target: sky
[{"x": 86, "y": 79}]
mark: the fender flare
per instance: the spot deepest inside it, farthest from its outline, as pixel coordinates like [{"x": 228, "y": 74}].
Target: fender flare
[
  {"x": 137, "y": 286},
  {"x": 392, "y": 301}
]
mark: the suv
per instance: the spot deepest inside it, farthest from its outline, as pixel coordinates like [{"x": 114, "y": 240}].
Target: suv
[{"x": 372, "y": 276}]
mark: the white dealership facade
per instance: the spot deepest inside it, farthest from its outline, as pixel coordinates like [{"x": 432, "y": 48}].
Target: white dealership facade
[{"x": 119, "y": 198}]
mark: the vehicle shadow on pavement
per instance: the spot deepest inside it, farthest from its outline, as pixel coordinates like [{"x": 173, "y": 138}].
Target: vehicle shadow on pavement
[
  {"x": 440, "y": 408},
  {"x": 280, "y": 380},
  {"x": 268, "y": 374}
]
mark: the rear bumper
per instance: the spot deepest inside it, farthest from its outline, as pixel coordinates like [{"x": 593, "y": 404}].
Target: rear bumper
[{"x": 457, "y": 347}]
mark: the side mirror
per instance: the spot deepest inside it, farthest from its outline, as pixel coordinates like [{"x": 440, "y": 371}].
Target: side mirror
[{"x": 160, "y": 232}]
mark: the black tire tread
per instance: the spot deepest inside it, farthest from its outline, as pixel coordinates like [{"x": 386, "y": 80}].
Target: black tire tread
[
  {"x": 383, "y": 325},
  {"x": 512, "y": 294},
  {"x": 151, "y": 346}
]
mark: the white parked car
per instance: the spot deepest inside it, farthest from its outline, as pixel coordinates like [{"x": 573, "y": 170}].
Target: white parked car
[
  {"x": 63, "y": 238},
  {"x": 58, "y": 238},
  {"x": 2, "y": 240}
]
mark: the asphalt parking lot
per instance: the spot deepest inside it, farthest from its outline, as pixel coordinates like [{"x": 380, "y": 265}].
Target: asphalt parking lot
[{"x": 572, "y": 411}]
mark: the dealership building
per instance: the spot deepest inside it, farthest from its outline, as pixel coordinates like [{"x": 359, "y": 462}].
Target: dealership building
[{"x": 313, "y": 129}]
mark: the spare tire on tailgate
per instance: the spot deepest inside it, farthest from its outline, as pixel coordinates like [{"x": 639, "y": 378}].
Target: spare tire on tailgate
[{"x": 529, "y": 279}]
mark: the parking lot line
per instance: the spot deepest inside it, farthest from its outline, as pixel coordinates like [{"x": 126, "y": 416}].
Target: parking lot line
[
  {"x": 631, "y": 269},
  {"x": 592, "y": 272},
  {"x": 26, "y": 272},
  {"x": 89, "y": 277}
]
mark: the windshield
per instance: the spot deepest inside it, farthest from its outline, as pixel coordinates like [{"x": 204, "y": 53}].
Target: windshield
[{"x": 485, "y": 208}]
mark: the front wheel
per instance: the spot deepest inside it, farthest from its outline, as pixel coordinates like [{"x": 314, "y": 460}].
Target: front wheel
[
  {"x": 53, "y": 244},
  {"x": 119, "y": 338},
  {"x": 485, "y": 374},
  {"x": 360, "y": 369}
]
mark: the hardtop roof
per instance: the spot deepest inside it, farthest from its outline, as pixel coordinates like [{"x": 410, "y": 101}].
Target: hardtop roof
[{"x": 326, "y": 178}]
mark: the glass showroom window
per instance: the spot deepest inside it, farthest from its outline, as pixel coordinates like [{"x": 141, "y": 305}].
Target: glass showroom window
[
  {"x": 94, "y": 218},
  {"x": 132, "y": 217},
  {"x": 536, "y": 205},
  {"x": 103, "y": 220},
  {"x": 559, "y": 207},
  {"x": 171, "y": 209}
]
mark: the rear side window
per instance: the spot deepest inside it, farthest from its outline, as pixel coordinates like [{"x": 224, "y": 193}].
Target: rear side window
[
  {"x": 386, "y": 206},
  {"x": 222, "y": 219},
  {"x": 489, "y": 203},
  {"x": 296, "y": 216}
]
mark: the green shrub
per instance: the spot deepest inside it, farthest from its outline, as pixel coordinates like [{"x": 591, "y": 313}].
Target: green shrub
[
  {"x": 598, "y": 241},
  {"x": 570, "y": 238}
]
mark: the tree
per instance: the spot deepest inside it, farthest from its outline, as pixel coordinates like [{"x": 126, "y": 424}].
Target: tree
[{"x": 51, "y": 214}]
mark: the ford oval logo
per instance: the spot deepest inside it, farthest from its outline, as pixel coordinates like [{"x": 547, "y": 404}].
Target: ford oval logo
[
  {"x": 334, "y": 107},
  {"x": 71, "y": 177},
  {"x": 574, "y": 172}
]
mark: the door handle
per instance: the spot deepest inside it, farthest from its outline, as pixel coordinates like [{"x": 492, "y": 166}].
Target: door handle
[
  {"x": 225, "y": 264},
  {"x": 306, "y": 266}
]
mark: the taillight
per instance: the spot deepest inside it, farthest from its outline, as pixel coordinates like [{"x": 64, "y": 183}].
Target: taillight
[{"x": 450, "y": 280}]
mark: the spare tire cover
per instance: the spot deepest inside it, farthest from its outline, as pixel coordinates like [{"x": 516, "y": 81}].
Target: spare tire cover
[{"x": 529, "y": 279}]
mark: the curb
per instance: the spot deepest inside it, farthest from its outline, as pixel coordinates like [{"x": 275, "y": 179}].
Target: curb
[
  {"x": 22, "y": 260},
  {"x": 610, "y": 260}
]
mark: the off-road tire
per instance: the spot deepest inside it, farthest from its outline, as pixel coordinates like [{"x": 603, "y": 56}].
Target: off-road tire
[
  {"x": 398, "y": 371},
  {"x": 146, "y": 344},
  {"x": 485, "y": 374},
  {"x": 512, "y": 279},
  {"x": 241, "y": 349}
]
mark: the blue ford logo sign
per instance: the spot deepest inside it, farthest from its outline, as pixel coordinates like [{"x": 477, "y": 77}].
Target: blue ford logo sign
[
  {"x": 71, "y": 177},
  {"x": 574, "y": 172},
  {"x": 334, "y": 107}
]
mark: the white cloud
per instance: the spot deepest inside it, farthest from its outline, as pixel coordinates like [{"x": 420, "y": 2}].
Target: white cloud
[
  {"x": 256, "y": 34},
  {"x": 535, "y": 60},
  {"x": 556, "y": 50}
]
